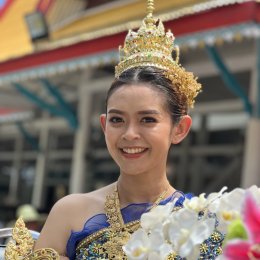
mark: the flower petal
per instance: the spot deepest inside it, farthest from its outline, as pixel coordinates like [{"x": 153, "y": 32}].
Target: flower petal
[
  {"x": 237, "y": 250},
  {"x": 138, "y": 246},
  {"x": 252, "y": 218},
  {"x": 202, "y": 231}
]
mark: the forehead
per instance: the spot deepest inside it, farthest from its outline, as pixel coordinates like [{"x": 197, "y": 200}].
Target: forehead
[{"x": 139, "y": 95}]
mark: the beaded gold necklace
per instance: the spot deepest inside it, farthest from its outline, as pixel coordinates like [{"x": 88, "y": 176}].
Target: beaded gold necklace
[{"x": 119, "y": 233}]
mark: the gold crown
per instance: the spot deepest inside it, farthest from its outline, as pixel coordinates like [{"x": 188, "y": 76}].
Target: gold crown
[{"x": 152, "y": 46}]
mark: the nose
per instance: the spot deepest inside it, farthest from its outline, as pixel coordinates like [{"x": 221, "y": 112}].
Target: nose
[{"x": 131, "y": 133}]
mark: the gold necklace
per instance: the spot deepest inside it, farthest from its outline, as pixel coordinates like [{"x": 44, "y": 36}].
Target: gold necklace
[
  {"x": 119, "y": 233},
  {"x": 160, "y": 198},
  {"x": 156, "y": 202}
]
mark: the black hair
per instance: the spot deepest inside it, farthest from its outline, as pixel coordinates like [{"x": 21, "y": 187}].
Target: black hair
[{"x": 153, "y": 77}]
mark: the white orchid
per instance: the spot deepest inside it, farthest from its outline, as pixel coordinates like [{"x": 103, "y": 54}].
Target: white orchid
[
  {"x": 201, "y": 203},
  {"x": 138, "y": 246},
  {"x": 161, "y": 248},
  {"x": 160, "y": 214},
  {"x": 165, "y": 231},
  {"x": 215, "y": 196},
  {"x": 228, "y": 208},
  {"x": 150, "y": 246},
  {"x": 186, "y": 232},
  {"x": 196, "y": 204},
  {"x": 255, "y": 191}
]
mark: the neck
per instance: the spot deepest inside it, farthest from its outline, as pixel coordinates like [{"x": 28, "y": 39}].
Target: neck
[{"x": 136, "y": 189}]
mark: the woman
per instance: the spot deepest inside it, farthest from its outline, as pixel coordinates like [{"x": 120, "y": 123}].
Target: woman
[{"x": 146, "y": 113}]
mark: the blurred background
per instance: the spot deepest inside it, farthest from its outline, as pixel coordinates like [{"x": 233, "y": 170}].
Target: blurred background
[{"x": 57, "y": 61}]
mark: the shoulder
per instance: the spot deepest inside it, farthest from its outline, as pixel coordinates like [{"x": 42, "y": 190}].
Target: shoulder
[
  {"x": 70, "y": 214},
  {"x": 66, "y": 207},
  {"x": 82, "y": 201},
  {"x": 69, "y": 203},
  {"x": 57, "y": 227},
  {"x": 74, "y": 209}
]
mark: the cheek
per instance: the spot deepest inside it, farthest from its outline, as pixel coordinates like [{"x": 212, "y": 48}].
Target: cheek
[
  {"x": 111, "y": 137},
  {"x": 162, "y": 133},
  {"x": 165, "y": 140},
  {"x": 110, "y": 147}
]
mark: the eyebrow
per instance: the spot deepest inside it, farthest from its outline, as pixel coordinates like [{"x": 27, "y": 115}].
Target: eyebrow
[
  {"x": 115, "y": 111},
  {"x": 142, "y": 112},
  {"x": 148, "y": 112}
]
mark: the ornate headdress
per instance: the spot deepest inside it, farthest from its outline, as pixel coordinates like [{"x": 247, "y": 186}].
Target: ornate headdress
[{"x": 152, "y": 46}]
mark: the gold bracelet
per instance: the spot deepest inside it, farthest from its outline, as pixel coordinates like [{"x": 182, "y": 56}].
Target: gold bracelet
[{"x": 44, "y": 254}]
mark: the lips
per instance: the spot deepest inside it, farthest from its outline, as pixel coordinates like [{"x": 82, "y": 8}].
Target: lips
[{"x": 134, "y": 150}]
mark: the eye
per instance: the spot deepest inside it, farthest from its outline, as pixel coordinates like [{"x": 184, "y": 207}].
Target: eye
[
  {"x": 148, "y": 120},
  {"x": 115, "y": 119}
]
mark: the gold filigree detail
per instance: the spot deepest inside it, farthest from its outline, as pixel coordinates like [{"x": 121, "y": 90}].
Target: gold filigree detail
[
  {"x": 118, "y": 233},
  {"x": 132, "y": 226},
  {"x": 150, "y": 8},
  {"x": 152, "y": 46},
  {"x": 216, "y": 237},
  {"x": 22, "y": 243},
  {"x": 204, "y": 248},
  {"x": 44, "y": 254},
  {"x": 112, "y": 209},
  {"x": 113, "y": 247},
  {"x": 171, "y": 256}
]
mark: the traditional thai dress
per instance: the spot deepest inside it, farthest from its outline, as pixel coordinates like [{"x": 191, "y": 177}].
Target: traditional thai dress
[{"x": 103, "y": 235}]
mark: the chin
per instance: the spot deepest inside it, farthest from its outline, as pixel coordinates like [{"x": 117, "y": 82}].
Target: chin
[{"x": 132, "y": 171}]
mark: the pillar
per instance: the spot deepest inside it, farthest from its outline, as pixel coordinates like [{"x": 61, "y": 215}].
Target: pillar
[
  {"x": 39, "y": 191},
  {"x": 79, "y": 171}
]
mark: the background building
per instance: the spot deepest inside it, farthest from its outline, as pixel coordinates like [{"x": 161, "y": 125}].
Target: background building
[{"x": 56, "y": 63}]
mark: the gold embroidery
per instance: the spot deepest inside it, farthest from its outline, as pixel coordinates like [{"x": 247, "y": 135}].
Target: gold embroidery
[
  {"x": 171, "y": 256},
  {"x": 21, "y": 247},
  {"x": 118, "y": 233},
  {"x": 133, "y": 225},
  {"x": 44, "y": 254}
]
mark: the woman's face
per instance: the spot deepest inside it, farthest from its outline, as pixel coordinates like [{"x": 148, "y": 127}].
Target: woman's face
[{"x": 138, "y": 129}]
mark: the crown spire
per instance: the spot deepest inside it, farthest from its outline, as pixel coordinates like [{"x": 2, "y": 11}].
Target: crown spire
[
  {"x": 152, "y": 46},
  {"x": 150, "y": 8}
]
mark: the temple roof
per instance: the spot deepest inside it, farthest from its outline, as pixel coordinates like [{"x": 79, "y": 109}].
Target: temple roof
[
  {"x": 15, "y": 40},
  {"x": 90, "y": 37},
  {"x": 207, "y": 23}
]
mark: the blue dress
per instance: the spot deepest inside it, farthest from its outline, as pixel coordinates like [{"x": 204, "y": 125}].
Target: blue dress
[{"x": 88, "y": 244}]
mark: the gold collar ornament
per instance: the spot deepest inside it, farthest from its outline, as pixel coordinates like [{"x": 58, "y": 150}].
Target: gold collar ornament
[
  {"x": 22, "y": 243},
  {"x": 152, "y": 46},
  {"x": 119, "y": 233}
]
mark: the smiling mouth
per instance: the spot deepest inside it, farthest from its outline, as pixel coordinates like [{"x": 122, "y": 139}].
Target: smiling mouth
[{"x": 133, "y": 150}]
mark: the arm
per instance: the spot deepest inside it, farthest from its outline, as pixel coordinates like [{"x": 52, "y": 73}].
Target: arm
[{"x": 57, "y": 228}]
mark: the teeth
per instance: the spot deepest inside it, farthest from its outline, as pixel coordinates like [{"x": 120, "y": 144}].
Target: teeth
[{"x": 133, "y": 150}]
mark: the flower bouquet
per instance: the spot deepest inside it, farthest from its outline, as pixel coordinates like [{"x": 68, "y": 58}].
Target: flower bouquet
[{"x": 223, "y": 225}]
